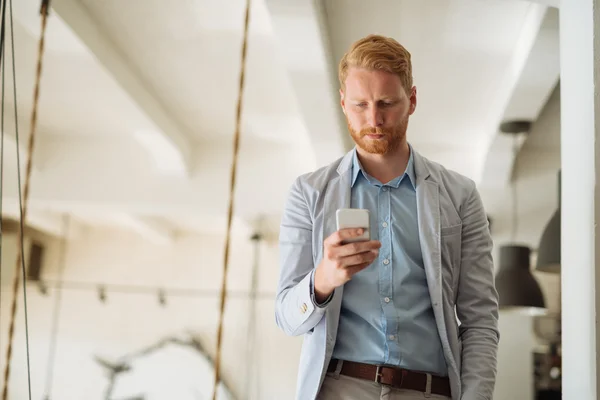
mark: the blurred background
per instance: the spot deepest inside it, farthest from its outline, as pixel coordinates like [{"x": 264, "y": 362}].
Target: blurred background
[{"x": 126, "y": 223}]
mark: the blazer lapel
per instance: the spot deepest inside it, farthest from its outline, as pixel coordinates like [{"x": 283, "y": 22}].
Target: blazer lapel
[
  {"x": 337, "y": 196},
  {"x": 428, "y": 215}
]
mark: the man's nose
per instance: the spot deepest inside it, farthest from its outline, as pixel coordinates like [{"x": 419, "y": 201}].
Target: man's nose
[{"x": 375, "y": 117}]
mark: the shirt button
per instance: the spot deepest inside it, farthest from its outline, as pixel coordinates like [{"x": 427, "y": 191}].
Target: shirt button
[
  {"x": 392, "y": 337},
  {"x": 384, "y": 224},
  {"x": 384, "y": 189},
  {"x": 387, "y": 299},
  {"x": 386, "y": 261}
]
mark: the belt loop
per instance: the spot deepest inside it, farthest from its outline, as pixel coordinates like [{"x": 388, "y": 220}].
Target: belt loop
[
  {"x": 338, "y": 369},
  {"x": 428, "y": 386}
]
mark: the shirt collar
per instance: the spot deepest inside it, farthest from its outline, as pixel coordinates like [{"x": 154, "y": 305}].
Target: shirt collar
[{"x": 410, "y": 170}]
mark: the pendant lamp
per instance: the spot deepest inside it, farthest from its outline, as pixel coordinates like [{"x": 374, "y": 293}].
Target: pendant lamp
[
  {"x": 517, "y": 287},
  {"x": 548, "y": 259},
  {"x": 518, "y": 290}
]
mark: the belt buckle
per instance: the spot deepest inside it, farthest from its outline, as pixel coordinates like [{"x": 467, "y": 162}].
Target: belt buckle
[{"x": 378, "y": 374}]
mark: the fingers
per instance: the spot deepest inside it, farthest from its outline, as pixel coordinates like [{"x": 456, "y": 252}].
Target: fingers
[
  {"x": 358, "y": 259},
  {"x": 347, "y": 272},
  {"x": 338, "y": 237},
  {"x": 344, "y": 263},
  {"x": 338, "y": 253},
  {"x": 356, "y": 248}
]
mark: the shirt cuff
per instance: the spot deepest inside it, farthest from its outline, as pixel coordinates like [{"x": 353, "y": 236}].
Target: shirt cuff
[{"x": 312, "y": 293}]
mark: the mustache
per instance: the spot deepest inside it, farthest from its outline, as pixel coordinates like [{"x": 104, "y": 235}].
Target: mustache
[{"x": 374, "y": 131}]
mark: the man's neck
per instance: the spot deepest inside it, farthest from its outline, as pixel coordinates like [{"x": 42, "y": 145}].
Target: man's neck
[{"x": 385, "y": 167}]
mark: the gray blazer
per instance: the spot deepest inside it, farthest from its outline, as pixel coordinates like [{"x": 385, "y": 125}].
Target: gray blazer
[{"x": 456, "y": 245}]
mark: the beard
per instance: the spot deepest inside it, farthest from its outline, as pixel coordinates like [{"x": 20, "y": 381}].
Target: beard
[{"x": 390, "y": 141}]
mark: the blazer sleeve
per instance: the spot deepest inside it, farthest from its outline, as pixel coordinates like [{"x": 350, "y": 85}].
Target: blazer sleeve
[
  {"x": 477, "y": 303},
  {"x": 295, "y": 310}
]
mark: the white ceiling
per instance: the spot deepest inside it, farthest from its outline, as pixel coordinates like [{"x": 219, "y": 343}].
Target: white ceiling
[
  {"x": 118, "y": 75},
  {"x": 78, "y": 97},
  {"x": 188, "y": 54}
]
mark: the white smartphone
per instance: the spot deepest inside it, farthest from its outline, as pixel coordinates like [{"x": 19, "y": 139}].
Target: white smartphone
[{"x": 354, "y": 218}]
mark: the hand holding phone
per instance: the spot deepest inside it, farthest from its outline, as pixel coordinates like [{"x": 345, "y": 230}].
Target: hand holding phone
[
  {"x": 354, "y": 218},
  {"x": 346, "y": 252}
]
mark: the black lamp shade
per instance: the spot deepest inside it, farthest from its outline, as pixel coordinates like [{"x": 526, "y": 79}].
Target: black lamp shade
[
  {"x": 516, "y": 285},
  {"x": 548, "y": 259}
]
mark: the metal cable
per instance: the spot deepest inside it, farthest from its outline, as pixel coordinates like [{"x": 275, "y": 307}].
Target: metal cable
[
  {"x": 23, "y": 199},
  {"x": 2, "y": 133}
]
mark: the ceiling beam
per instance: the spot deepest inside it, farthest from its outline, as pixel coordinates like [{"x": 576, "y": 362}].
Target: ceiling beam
[
  {"x": 169, "y": 145},
  {"x": 539, "y": 76},
  {"x": 500, "y": 102},
  {"x": 39, "y": 220},
  {"x": 302, "y": 34},
  {"x": 78, "y": 179}
]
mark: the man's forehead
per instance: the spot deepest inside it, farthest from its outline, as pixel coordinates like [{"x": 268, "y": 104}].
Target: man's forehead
[{"x": 363, "y": 79}]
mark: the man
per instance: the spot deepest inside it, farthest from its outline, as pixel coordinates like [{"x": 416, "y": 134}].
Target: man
[{"x": 379, "y": 317}]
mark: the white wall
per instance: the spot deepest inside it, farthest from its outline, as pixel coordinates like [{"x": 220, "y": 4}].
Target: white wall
[
  {"x": 580, "y": 61},
  {"x": 130, "y": 321}
]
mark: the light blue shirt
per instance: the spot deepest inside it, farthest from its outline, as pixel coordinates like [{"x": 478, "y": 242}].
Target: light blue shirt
[{"x": 386, "y": 314}]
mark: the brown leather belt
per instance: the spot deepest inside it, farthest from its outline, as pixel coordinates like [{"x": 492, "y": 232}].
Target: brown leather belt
[{"x": 395, "y": 377}]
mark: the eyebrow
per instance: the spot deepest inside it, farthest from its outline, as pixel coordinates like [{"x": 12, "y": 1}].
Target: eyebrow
[{"x": 384, "y": 98}]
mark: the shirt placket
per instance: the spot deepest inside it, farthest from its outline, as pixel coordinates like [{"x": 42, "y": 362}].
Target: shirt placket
[{"x": 386, "y": 275}]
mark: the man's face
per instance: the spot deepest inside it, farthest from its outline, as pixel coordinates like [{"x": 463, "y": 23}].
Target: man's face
[{"x": 377, "y": 109}]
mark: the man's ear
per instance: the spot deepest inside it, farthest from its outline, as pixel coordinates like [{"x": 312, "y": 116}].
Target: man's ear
[
  {"x": 343, "y": 101},
  {"x": 413, "y": 100}
]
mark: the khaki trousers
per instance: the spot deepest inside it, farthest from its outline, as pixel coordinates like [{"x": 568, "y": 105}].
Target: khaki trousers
[{"x": 345, "y": 388}]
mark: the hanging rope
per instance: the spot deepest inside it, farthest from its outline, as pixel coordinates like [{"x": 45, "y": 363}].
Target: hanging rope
[
  {"x": 24, "y": 199},
  {"x": 236, "y": 142}
]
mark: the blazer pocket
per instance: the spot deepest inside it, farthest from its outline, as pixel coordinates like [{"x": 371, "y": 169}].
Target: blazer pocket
[
  {"x": 450, "y": 242},
  {"x": 451, "y": 245},
  {"x": 450, "y": 230}
]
